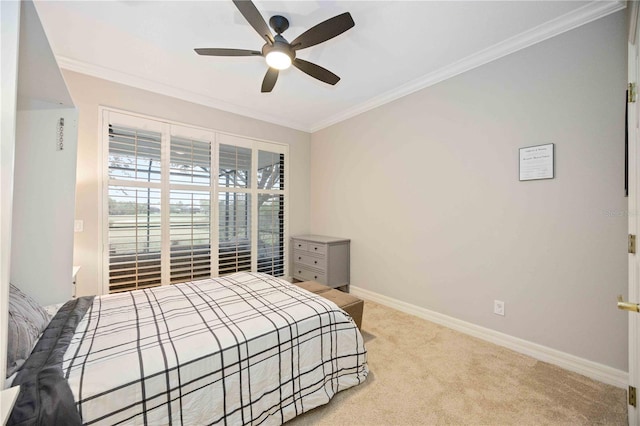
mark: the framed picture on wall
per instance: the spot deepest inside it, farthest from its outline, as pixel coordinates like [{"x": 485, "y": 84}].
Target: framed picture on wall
[{"x": 537, "y": 162}]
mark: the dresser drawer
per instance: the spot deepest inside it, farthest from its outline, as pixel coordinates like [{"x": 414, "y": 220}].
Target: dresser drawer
[
  {"x": 317, "y": 248},
  {"x": 309, "y": 246},
  {"x": 304, "y": 273},
  {"x": 308, "y": 259},
  {"x": 300, "y": 245}
]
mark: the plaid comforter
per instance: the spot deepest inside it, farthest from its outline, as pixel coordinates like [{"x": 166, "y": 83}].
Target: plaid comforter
[{"x": 242, "y": 349}]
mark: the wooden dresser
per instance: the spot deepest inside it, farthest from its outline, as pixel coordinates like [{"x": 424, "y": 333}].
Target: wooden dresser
[{"x": 322, "y": 259}]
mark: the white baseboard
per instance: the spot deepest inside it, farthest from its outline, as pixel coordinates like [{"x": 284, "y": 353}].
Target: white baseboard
[{"x": 593, "y": 370}]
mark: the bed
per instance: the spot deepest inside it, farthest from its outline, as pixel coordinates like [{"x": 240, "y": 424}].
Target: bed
[{"x": 246, "y": 348}]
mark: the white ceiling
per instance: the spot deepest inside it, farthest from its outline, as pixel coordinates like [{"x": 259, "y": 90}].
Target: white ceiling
[{"x": 395, "y": 48}]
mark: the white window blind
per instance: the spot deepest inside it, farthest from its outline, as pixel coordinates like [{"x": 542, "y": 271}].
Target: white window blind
[
  {"x": 134, "y": 238},
  {"x": 134, "y": 154},
  {"x": 234, "y": 243},
  {"x": 234, "y": 209},
  {"x": 134, "y": 206},
  {"x": 189, "y": 208},
  {"x": 190, "y": 161},
  {"x": 271, "y": 210},
  {"x": 161, "y": 224}
]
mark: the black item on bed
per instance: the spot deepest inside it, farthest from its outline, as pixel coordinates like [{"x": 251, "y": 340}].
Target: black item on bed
[{"x": 45, "y": 397}]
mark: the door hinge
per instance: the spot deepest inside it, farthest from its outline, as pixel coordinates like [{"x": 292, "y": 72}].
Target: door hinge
[
  {"x": 631, "y": 93},
  {"x": 632, "y": 396},
  {"x": 632, "y": 244}
]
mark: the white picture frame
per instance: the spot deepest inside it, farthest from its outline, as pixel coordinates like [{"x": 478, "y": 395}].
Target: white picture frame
[{"x": 537, "y": 162}]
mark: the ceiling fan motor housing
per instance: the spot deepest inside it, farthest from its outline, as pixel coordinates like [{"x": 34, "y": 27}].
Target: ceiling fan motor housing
[{"x": 280, "y": 44}]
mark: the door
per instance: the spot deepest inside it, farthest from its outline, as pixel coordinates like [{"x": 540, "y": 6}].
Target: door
[{"x": 633, "y": 116}]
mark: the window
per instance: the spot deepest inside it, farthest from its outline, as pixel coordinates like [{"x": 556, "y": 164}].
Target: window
[
  {"x": 234, "y": 208},
  {"x": 161, "y": 226},
  {"x": 271, "y": 213}
]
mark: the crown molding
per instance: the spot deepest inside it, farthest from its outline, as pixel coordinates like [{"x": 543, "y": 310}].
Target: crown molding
[
  {"x": 581, "y": 16},
  {"x": 168, "y": 90}
]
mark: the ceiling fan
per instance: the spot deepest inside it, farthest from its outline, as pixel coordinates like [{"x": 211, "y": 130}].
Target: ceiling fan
[{"x": 277, "y": 51}]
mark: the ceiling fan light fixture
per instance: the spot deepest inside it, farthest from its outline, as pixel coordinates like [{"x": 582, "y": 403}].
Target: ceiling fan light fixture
[
  {"x": 277, "y": 51},
  {"x": 278, "y": 60}
]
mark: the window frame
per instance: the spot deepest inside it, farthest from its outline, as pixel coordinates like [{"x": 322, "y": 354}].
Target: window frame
[{"x": 169, "y": 128}]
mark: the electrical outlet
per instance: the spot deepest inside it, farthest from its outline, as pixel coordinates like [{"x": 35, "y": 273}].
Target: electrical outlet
[
  {"x": 78, "y": 225},
  {"x": 498, "y": 307}
]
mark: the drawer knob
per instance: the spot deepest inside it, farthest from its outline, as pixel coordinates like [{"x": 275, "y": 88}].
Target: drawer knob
[
  {"x": 299, "y": 258},
  {"x": 315, "y": 277},
  {"x": 315, "y": 261},
  {"x": 299, "y": 272},
  {"x": 315, "y": 248},
  {"x": 299, "y": 245}
]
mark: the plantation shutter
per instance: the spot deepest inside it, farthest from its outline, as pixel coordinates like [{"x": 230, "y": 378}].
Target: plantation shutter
[
  {"x": 134, "y": 154},
  {"x": 134, "y": 241},
  {"x": 183, "y": 203},
  {"x": 190, "y": 213},
  {"x": 271, "y": 212},
  {"x": 234, "y": 209}
]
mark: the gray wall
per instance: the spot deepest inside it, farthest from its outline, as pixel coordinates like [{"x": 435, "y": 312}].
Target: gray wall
[
  {"x": 427, "y": 189},
  {"x": 89, "y": 93},
  {"x": 43, "y": 204}
]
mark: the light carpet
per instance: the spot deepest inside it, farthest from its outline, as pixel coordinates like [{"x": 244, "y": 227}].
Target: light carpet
[{"x": 422, "y": 373}]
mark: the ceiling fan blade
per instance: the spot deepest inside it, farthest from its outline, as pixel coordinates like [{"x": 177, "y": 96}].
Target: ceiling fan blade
[
  {"x": 270, "y": 79},
  {"x": 316, "y": 71},
  {"x": 323, "y": 31},
  {"x": 253, "y": 17},
  {"x": 227, "y": 52}
]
